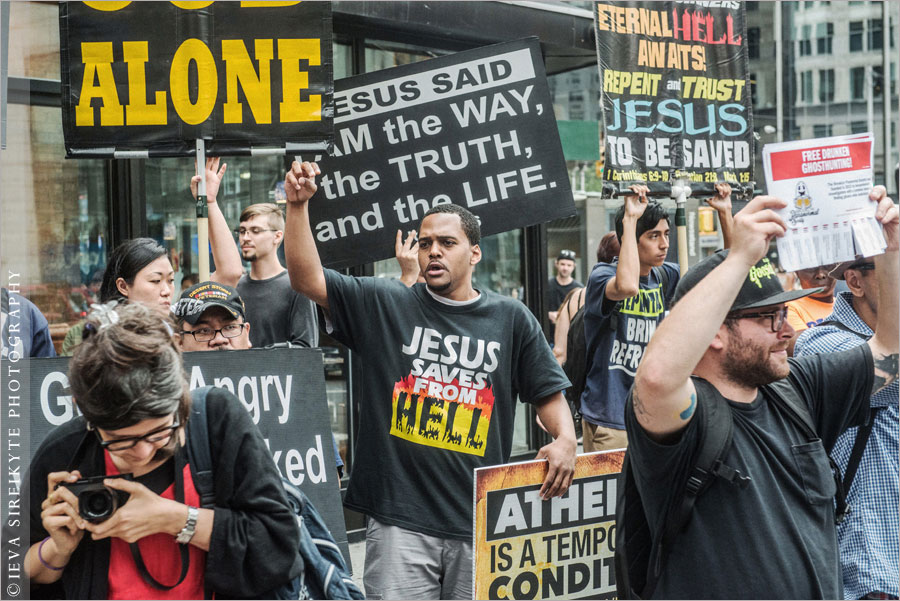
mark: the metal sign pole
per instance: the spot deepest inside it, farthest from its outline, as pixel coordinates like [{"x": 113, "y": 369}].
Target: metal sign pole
[
  {"x": 680, "y": 192},
  {"x": 202, "y": 215}
]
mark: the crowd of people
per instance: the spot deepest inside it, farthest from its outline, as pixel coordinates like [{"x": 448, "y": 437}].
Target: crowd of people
[{"x": 444, "y": 366}]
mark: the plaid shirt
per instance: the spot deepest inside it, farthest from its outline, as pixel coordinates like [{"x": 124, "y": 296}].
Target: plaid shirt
[{"x": 868, "y": 536}]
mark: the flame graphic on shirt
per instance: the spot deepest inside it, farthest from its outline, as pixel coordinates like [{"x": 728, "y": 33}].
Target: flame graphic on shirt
[{"x": 442, "y": 414}]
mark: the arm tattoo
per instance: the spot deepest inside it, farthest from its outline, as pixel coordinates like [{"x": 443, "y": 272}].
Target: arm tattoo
[
  {"x": 885, "y": 371},
  {"x": 637, "y": 403},
  {"x": 689, "y": 410}
]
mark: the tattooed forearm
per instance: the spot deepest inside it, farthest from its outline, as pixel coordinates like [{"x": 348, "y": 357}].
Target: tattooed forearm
[
  {"x": 689, "y": 410},
  {"x": 886, "y": 367}
]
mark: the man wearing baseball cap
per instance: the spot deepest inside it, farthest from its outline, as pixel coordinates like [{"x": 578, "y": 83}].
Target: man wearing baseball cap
[
  {"x": 724, "y": 345},
  {"x": 867, "y": 456},
  {"x": 211, "y": 318}
]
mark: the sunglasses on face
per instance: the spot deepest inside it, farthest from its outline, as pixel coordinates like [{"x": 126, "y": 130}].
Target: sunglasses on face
[{"x": 777, "y": 317}]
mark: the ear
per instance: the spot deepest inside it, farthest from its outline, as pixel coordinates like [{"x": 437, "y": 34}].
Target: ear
[
  {"x": 721, "y": 339},
  {"x": 279, "y": 237},
  {"x": 476, "y": 255},
  {"x": 852, "y": 278},
  {"x": 121, "y": 286}
]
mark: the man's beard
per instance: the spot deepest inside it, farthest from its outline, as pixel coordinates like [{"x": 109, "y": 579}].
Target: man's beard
[{"x": 750, "y": 364}]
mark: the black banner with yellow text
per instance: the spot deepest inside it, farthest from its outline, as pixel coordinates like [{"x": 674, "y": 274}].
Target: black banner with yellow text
[
  {"x": 675, "y": 93},
  {"x": 149, "y": 78}
]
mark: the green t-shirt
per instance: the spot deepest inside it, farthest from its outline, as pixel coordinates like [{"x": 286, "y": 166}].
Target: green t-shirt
[{"x": 440, "y": 384}]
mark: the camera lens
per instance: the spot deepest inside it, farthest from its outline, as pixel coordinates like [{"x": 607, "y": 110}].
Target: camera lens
[{"x": 96, "y": 505}]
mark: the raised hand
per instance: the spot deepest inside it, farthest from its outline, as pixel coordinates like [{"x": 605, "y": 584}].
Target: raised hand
[{"x": 300, "y": 182}]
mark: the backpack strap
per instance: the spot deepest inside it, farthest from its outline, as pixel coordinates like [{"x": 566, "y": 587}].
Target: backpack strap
[
  {"x": 797, "y": 411},
  {"x": 199, "y": 456},
  {"x": 716, "y": 427},
  {"x": 864, "y": 431}
]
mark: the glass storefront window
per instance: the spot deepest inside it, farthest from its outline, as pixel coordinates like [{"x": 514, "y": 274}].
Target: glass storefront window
[
  {"x": 54, "y": 227},
  {"x": 38, "y": 23}
]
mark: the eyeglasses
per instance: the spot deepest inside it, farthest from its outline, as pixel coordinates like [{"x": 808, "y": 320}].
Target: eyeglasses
[
  {"x": 863, "y": 267},
  {"x": 253, "y": 231},
  {"x": 777, "y": 317},
  {"x": 232, "y": 330},
  {"x": 122, "y": 444}
]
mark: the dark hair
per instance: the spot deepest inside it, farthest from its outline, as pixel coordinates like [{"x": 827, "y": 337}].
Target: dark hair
[
  {"x": 609, "y": 248},
  {"x": 653, "y": 214},
  {"x": 125, "y": 262},
  {"x": 128, "y": 368},
  {"x": 469, "y": 221}
]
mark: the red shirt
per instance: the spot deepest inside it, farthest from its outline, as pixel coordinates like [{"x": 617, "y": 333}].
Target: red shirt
[{"x": 160, "y": 554}]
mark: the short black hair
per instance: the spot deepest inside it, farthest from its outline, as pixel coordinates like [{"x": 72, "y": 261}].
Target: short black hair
[
  {"x": 653, "y": 214},
  {"x": 125, "y": 262},
  {"x": 469, "y": 221}
]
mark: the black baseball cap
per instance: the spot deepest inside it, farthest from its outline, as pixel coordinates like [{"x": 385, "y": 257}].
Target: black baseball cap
[
  {"x": 566, "y": 254},
  {"x": 863, "y": 263},
  {"x": 761, "y": 288},
  {"x": 200, "y": 297}
]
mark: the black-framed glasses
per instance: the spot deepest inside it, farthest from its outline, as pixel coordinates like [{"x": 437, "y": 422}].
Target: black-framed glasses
[
  {"x": 777, "y": 318},
  {"x": 863, "y": 267},
  {"x": 122, "y": 444},
  {"x": 232, "y": 330},
  {"x": 253, "y": 231}
]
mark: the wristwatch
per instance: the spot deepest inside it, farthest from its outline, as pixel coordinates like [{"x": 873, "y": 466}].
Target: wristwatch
[{"x": 187, "y": 533}]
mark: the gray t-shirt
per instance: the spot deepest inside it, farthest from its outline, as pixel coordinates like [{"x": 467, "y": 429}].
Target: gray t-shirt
[
  {"x": 277, "y": 313},
  {"x": 774, "y": 538},
  {"x": 440, "y": 388}
]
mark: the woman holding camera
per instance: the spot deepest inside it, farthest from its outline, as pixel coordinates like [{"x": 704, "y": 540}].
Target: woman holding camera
[{"x": 114, "y": 511}]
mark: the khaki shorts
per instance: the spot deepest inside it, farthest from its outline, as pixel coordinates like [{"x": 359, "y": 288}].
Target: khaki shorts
[{"x": 601, "y": 438}]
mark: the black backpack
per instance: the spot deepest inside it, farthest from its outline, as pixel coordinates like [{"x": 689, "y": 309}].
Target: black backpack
[
  {"x": 639, "y": 559},
  {"x": 576, "y": 365},
  {"x": 325, "y": 574}
]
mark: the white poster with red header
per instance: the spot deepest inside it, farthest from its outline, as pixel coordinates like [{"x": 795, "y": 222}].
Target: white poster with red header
[{"x": 826, "y": 182}]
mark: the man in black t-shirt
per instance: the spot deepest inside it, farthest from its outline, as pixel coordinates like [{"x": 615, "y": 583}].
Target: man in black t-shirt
[
  {"x": 443, "y": 367},
  {"x": 560, "y": 285},
  {"x": 727, "y": 336}
]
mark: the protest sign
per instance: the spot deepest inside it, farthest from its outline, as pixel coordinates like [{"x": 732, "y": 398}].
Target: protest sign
[
  {"x": 826, "y": 183},
  {"x": 283, "y": 390},
  {"x": 148, "y": 78},
  {"x": 527, "y": 548},
  {"x": 675, "y": 93},
  {"x": 474, "y": 128}
]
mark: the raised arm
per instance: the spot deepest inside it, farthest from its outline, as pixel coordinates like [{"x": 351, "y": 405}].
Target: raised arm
[
  {"x": 225, "y": 253},
  {"x": 300, "y": 252},
  {"x": 407, "y": 253},
  {"x": 664, "y": 398},
  {"x": 885, "y": 343},
  {"x": 627, "y": 281},
  {"x": 721, "y": 202}
]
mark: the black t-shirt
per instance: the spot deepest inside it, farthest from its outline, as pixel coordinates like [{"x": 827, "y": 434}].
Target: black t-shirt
[
  {"x": 440, "y": 387},
  {"x": 556, "y": 292},
  {"x": 774, "y": 538}
]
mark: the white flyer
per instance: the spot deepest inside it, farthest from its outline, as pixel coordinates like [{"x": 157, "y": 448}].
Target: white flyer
[{"x": 826, "y": 182}]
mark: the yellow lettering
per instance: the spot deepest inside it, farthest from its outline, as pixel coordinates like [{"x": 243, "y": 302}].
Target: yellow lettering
[
  {"x": 293, "y": 80},
  {"x": 97, "y": 58},
  {"x": 192, "y": 5},
  {"x": 207, "y": 81},
  {"x": 107, "y": 5},
  {"x": 239, "y": 68},
  {"x": 137, "y": 111}
]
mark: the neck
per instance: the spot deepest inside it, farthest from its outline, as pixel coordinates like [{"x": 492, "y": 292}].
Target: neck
[
  {"x": 645, "y": 270},
  {"x": 461, "y": 293},
  {"x": 266, "y": 267},
  {"x": 864, "y": 311},
  {"x": 564, "y": 281}
]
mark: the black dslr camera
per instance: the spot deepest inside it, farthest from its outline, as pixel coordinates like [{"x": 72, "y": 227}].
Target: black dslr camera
[{"x": 96, "y": 501}]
